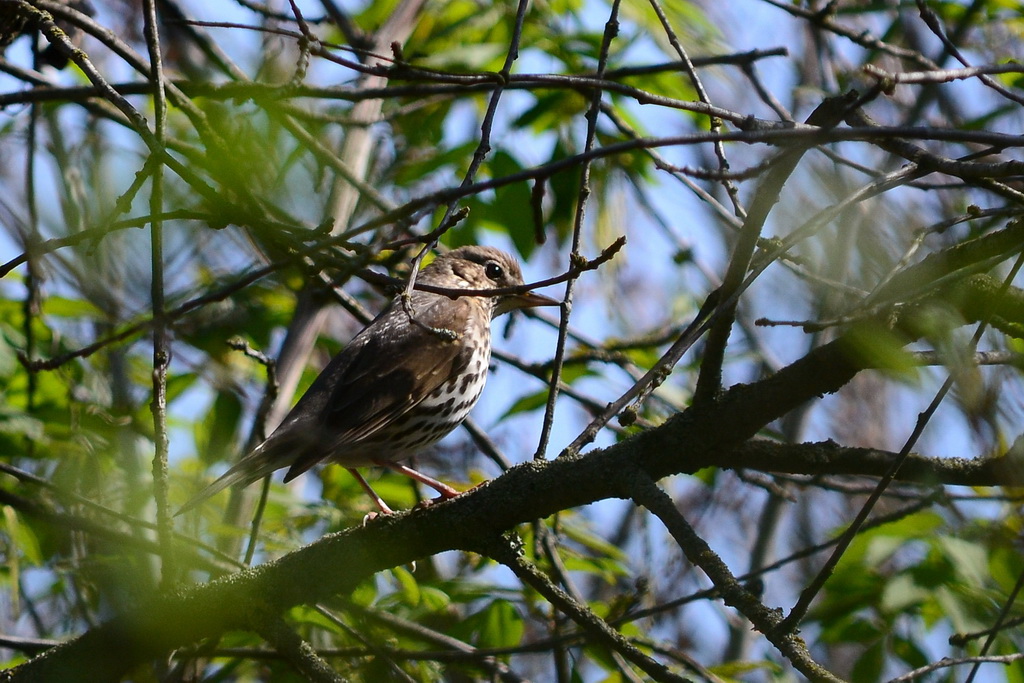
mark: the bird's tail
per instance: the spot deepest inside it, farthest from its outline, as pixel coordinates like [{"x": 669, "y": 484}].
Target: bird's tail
[{"x": 254, "y": 466}]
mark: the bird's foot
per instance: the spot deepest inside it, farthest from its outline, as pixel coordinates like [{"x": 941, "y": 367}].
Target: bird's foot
[
  {"x": 434, "y": 501},
  {"x": 378, "y": 501}
]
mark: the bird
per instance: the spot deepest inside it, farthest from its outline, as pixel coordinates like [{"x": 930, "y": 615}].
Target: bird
[{"x": 405, "y": 381}]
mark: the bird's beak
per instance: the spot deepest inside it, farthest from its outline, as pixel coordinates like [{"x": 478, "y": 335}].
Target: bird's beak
[
  {"x": 530, "y": 299},
  {"x": 524, "y": 300}
]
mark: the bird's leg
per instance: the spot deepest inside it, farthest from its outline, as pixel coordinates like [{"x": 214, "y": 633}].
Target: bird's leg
[
  {"x": 442, "y": 488},
  {"x": 384, "y": 509}
]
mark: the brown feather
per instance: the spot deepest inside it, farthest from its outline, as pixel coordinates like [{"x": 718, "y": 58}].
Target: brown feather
[{"x": 356, "y": 400}]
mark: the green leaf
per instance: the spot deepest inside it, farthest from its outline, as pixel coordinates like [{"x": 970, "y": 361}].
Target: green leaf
[
  {"x": 707, "y": 476},
  {"x": 180, "y": 383},
  {"x": 877, "y": 346},
  {"x": 901, "y": 594},
  {"x": 737, "y": 670},
  {"x": 957, "y": 611},
  {"x": 431, "y": 161},
  {"x": 310, "y": 616},
  {"x": 851, "y": 629},
  {"x": 501, "y": 625},
  {"x": 592, "y": 541},
  {"x": 868, "y": 666},
  {"x": 16, "y": 423},
  {"x": 434, "y": 599},
  {"x": 969, "y": 560},
  {"x": 408, "y": 586},
  {"x": 527, "y": 403},
  {"x": 64, "y": 307},
  {"x": 498, "y": 624},
  {"x": 908, "y": 651},
  {"x": 22, "y": 538},
  {"x": 550, "y": 111},
  {"x": 214, "y": 434},
  {"x": 365, "y": 594},
  {"x": 510, "y": 211}
]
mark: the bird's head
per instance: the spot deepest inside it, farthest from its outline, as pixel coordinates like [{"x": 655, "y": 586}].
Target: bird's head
[{"x": 479, "y": 267}]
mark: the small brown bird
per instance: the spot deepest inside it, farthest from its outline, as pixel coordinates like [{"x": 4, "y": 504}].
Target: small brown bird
[{"x": 410, "y": 377}]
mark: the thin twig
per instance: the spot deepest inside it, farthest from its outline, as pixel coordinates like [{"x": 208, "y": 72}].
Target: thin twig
[
  {"x": 161, "y": 342},
  {"x": 504, "y": 552},
  {"x": 611, "y": 29}
]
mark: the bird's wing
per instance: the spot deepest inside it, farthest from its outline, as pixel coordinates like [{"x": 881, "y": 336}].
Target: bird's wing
[{"x": 387, "y": 370}]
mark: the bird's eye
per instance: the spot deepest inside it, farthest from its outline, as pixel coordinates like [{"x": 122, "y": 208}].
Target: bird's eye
[{"x": 493, "y": 270}]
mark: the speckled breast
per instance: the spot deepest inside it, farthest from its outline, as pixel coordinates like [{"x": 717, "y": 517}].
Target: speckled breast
[{"x": 444, "y": 408}]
